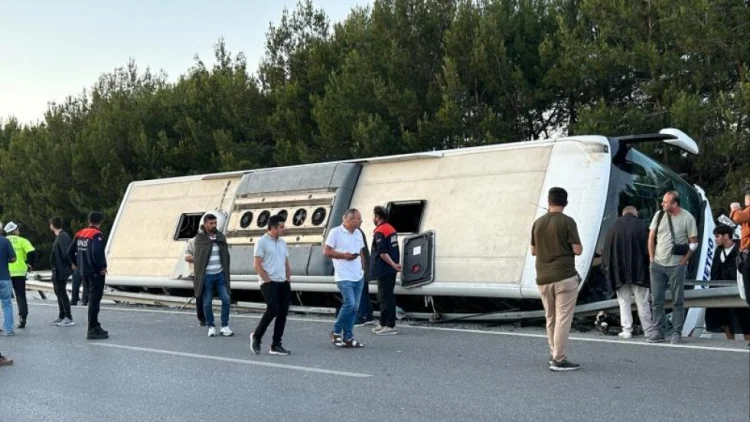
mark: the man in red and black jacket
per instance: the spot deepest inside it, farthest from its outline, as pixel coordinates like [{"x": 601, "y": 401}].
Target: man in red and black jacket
[
  {"x": 86, "y": 252},
  {"x": 384, "y": 265}
]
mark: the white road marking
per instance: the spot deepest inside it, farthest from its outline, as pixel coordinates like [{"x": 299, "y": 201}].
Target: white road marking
[
  {"x": 592, "y": 340},
  {"x": 458, "y": 330},
  {"x": 233, "y": 360}
]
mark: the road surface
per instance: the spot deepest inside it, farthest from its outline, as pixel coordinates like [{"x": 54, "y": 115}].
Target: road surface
[{"x": 160, "y": 366}]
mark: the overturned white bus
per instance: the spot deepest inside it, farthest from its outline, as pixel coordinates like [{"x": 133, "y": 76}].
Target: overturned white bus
[{"x": 464, "y": 217}]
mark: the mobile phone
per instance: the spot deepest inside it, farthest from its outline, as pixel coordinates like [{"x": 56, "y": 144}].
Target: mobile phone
[{"x": 356, "y": 254}]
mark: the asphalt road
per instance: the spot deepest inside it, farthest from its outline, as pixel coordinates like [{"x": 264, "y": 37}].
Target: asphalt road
[{"x": 161, "y": 366}]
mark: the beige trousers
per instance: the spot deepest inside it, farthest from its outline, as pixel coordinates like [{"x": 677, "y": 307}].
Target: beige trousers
[{"x": 559, "y": 300}]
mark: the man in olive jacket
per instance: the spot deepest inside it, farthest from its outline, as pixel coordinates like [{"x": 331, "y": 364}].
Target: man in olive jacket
[{"x": 211, "y": 261}]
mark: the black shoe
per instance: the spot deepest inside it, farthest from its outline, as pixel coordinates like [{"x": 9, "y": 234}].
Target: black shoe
[
  {"x": 73, "y": 303},
  {"x": 563, "y": 365},
  {"x": 254, "y": 344},
  {"x": 278, "y": 350},
  {"x": 22, "y": 323},
  {"x": 97, "y": 334},
  {"x": 84, "y": 304},
  {"x": 201, "y": 322}
]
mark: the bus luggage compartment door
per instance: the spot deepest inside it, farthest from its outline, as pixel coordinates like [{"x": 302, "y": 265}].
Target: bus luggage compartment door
[{"x": 419, "y": 260}]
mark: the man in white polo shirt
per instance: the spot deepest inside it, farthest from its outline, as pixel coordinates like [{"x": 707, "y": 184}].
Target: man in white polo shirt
[
  {"x": 344, "y": 246},
  {"x": 274, "y": 273}
]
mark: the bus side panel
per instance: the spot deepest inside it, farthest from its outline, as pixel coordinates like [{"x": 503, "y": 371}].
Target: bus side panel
[
  {"x": 582, "y": 170},
  {"x": 481, "y": 206},
  {"x": 143, "y": 244}
]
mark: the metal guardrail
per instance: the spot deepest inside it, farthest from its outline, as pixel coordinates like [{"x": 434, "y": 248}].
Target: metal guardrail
[
  {"x": 173, "y": 301},
  {"x": 721, "y": 294}
]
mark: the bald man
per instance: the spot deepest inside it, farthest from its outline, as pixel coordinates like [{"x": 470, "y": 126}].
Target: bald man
[{"x": 626, "y": 265}]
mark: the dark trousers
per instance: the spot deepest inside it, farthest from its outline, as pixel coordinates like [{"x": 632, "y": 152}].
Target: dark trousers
[
  {"x": 387, "y": 299},
  {"x": 364, "y": 313},
  {"x": 96, "y": 290},
  {"x": 745, "y": 271},
  {"x": 61, "y": 291},
  {"x": 19, "y": 289},
  {"x": 77, "y": 280},
  {"x": 278, "y": 296},
  {"x": 199, "y": 309}
]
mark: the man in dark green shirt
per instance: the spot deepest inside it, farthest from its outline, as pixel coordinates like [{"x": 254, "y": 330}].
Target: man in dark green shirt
[{"x": 555, "y": 243}]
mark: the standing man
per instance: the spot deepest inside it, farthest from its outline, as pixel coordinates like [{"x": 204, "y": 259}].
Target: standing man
[
  {"x": 212, "y": 273},
  {"x": 741, "y": 216},
  {"x": 555, "y": 243},
  {"x": 344, "y": 246},
  {"x": 61, "y": 272},
  {"x": 86, "y": 252},
  {"x": 190, "y": 258},
  {"x": 384, "y": 267},
  {"x": 25, "y": 254},
  {"x": 7, "y": 257},
  {"x": 672, "y": 239},
  {"x": 76, "y": 289},
  {"x": 271, "y": 262},
  {"x": 625, "y": 261},
  {"x": 365, "y": 312}
]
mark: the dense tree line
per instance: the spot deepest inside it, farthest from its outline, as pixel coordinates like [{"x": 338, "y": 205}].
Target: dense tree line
[{"x": 399, "y": 76}]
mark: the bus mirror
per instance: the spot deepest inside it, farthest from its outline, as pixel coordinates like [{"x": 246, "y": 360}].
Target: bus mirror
[{"x": 681, "y": 140}]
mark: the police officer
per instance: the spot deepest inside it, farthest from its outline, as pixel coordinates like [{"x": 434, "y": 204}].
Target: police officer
[{"x": 87, "y": 255}]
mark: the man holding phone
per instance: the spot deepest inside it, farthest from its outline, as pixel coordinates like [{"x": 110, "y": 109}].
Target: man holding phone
[{"x": 344, "y": 246}]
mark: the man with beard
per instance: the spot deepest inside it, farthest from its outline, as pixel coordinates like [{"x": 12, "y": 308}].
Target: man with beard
[
  {"x": 212, "y": 273},
  {"x": 672, "y": 239}
]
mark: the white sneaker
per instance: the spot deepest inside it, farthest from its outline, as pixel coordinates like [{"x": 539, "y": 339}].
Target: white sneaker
[
  {"x": 377, "y": 328},
  {"x": 386, "y": 331},
  {"x": 67, "y": 322},
  {"x": 226, "y": 332},
  {"x": 626, "y": 335},
  {"x": 211, "y": 331}
]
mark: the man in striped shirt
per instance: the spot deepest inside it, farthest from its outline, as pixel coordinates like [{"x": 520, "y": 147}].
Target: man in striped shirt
[{"x": 212, "y": 272}]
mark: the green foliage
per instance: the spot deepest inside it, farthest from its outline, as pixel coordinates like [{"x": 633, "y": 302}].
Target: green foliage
[{"x": 396, "y": 77}]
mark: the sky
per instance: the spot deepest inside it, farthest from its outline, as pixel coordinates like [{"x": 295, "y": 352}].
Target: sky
[{"x": 53, "y": 49}]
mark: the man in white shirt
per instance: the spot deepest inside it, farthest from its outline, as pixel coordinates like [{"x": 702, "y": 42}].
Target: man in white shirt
[{"x": 344, "y": 246}]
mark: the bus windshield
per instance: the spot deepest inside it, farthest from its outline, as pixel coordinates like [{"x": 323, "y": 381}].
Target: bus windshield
[{"x": 639, "y": 181}]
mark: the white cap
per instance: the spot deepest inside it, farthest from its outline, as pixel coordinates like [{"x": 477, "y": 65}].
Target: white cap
[{"x": 10, "y": 227}]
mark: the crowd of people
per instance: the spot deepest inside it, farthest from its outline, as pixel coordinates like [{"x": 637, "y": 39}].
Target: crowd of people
[
  {"x": 639, "y": 263},
  {"x": 83, "y": 257}
]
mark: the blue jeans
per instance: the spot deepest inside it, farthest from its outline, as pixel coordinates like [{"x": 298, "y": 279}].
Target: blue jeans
[
  {"x": 351, "y": 291},
  {"x": 6, "y": 289},
  {"x": 364, "y": 311},
  {"x": 209, "y": 282},
  {"x": 674, "y": 278}
]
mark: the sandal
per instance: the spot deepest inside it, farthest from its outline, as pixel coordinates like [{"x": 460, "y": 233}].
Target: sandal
[
  {"x": 352, "y": 344},
  {"x": 337, "y": 340}
]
